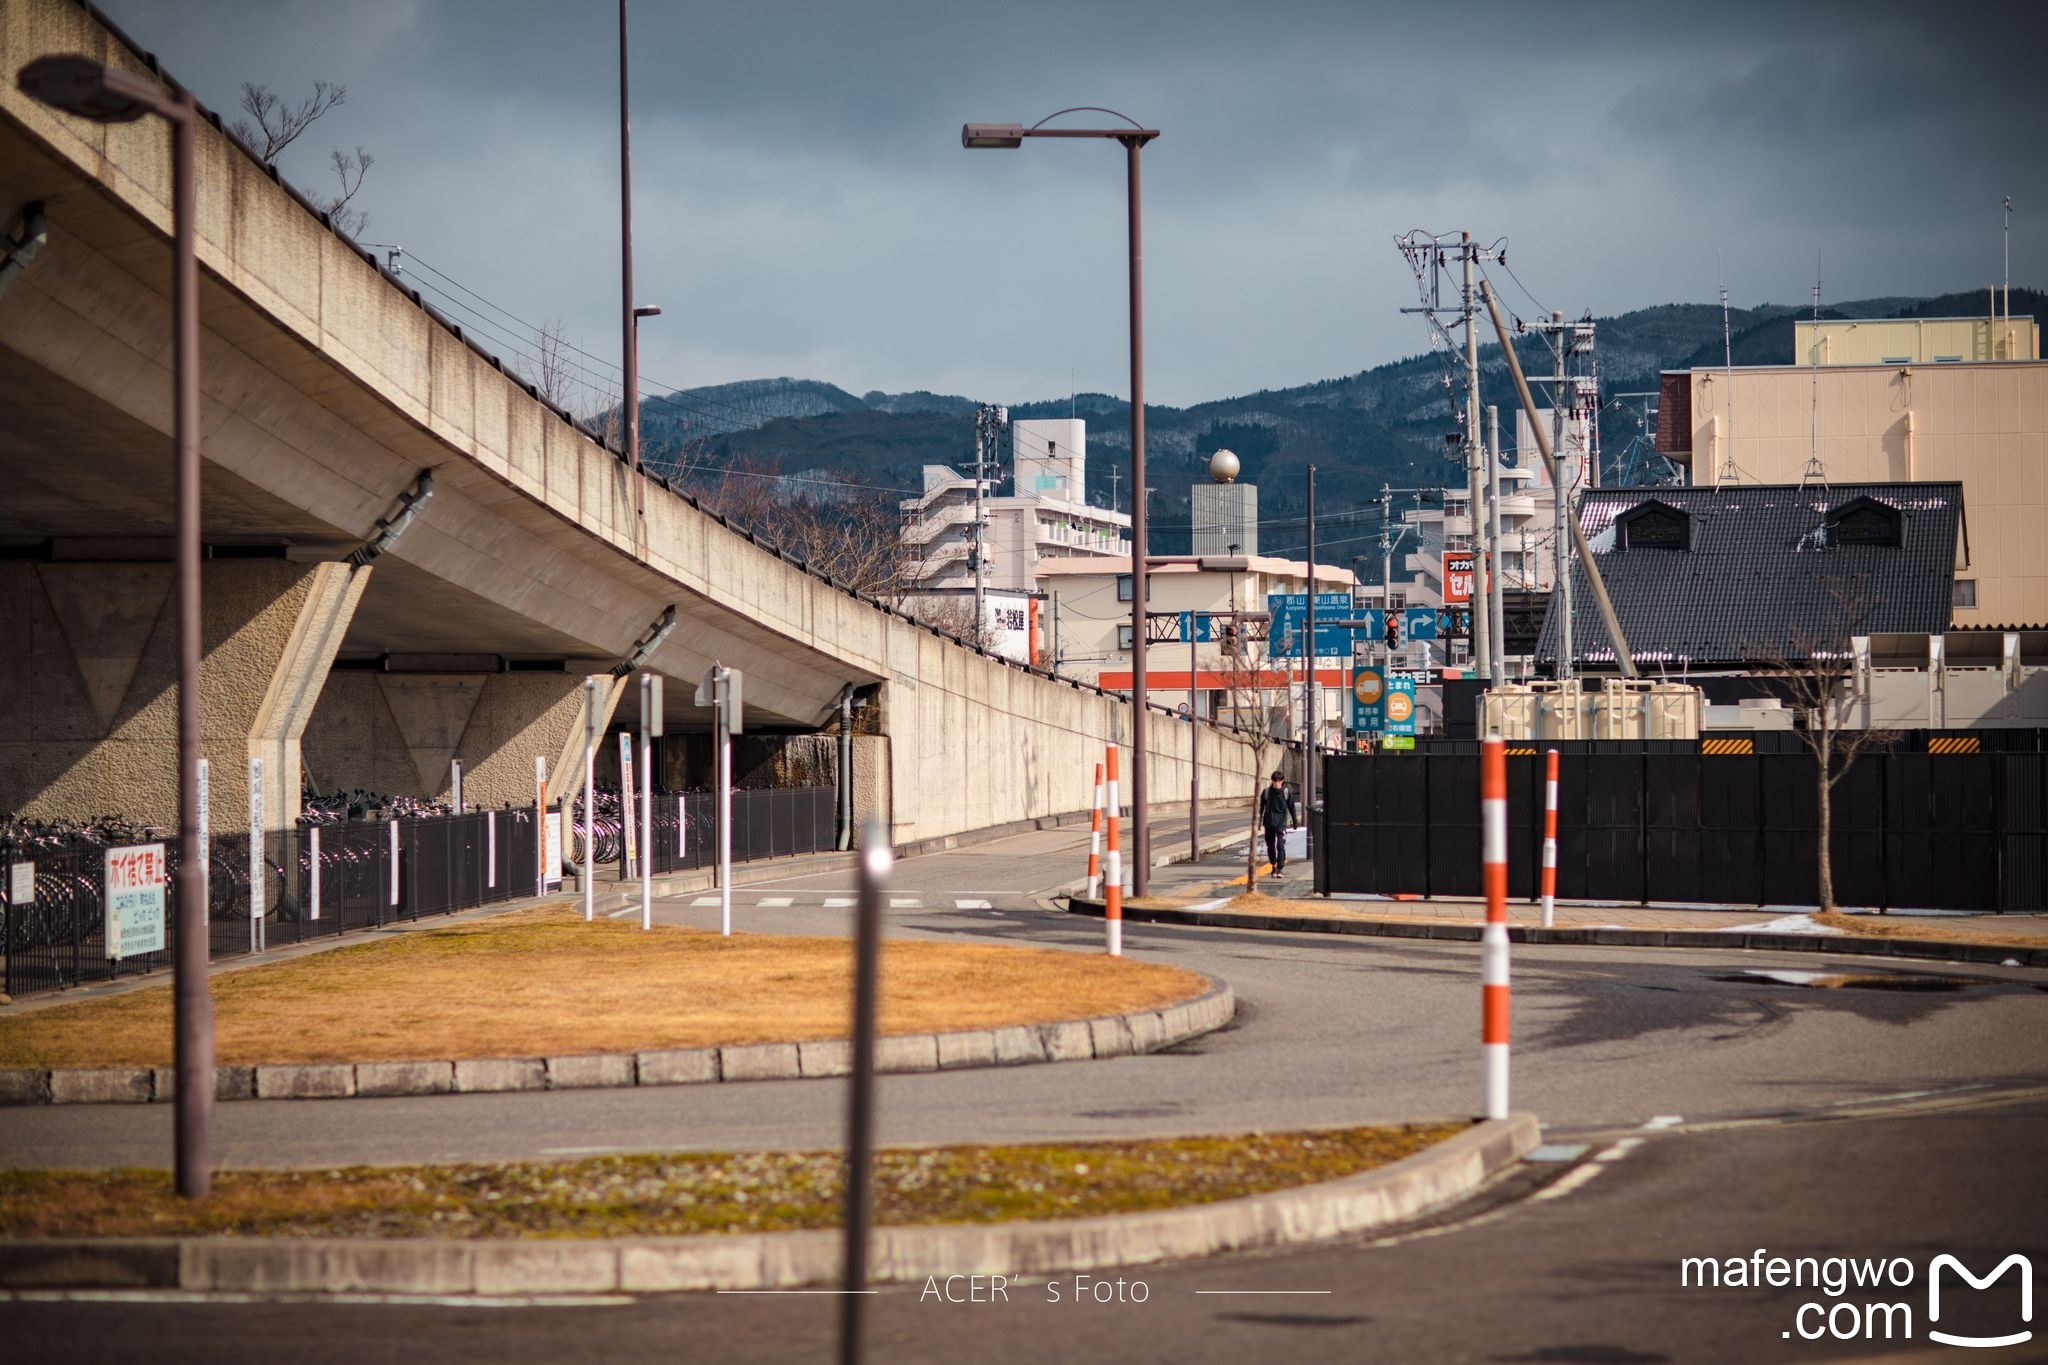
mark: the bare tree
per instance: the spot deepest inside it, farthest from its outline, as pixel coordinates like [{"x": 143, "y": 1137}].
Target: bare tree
[
  {"x": 953, "y": 615},
  {"x": 1818, "y": 675},
  {"x": 554, "y": 372},
  {"x": 349, "y": 170},
  {"x": 278, "y": 124},
  {"x": 274, "y": 124},
  {"x": 832, "y": 523}
]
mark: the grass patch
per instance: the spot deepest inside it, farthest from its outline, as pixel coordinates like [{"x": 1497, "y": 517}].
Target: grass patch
[
  {"x": 700, "y": 1192},
  {"x": 1944, "y": 930},
  {"x": 544, "y": 982}
]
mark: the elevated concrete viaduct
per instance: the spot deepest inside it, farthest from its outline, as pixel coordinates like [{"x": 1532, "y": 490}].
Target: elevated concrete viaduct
[{"x": 328, "y": 391}]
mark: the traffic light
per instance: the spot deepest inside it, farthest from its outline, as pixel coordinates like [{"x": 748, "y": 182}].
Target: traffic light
[
  {"x": 1230, "y": 641},
  {"x": 1393, "y": 631}
]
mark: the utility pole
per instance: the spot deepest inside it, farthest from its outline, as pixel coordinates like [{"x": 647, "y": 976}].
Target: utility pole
[
  {"x": 1308, "y": 671},
  {"x": 1490, "y": 570},
  {"x": 1557, "y": 332},
  {"x": 986, "y": 419},
  {"x": 2008, "y": 277},
  {"x": 1482, "y": 652}
]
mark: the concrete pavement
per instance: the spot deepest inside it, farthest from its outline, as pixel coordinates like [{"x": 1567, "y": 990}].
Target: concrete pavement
[{"x": 1585, "y": 1272}]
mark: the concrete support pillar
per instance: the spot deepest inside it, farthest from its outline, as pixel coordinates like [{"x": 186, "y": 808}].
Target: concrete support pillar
[
  {"x": 88, "y": 692},
  {"x": 396, "y": 734}
]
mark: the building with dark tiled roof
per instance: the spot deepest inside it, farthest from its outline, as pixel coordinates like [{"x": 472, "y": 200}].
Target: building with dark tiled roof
[{"x": 1748, "y": 574}]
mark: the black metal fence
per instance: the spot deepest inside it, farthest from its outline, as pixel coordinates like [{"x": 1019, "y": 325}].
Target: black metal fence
[
  {"x": 766, "y": 823},
  {"x": 1665, "y": 822},
  {"x": 322, "y": 880},
  {"x": 311, "y": 882}
]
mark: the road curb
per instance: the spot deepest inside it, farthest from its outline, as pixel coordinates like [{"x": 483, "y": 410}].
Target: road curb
[
  {"x": 1924, "y": 950},
  {"x": 1115, "y": 1035},
  {"x": 1371, "y": 1200}
]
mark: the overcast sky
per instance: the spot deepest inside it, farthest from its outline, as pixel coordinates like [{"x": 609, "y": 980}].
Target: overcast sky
[{"x": 803, "y": 206}]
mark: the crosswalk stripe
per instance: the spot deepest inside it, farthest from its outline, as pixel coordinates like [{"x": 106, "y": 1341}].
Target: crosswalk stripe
[
  {"x": 777, "y": 902},
  {"x": 838, "y": 902},
  {"x": 970, "y": 905},
  {"x": 705, "y": 900},
  {"x": 904, "y": 902}
]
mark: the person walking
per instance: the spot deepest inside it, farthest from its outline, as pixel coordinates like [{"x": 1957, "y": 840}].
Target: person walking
[{"x": 1277, "y": 810}]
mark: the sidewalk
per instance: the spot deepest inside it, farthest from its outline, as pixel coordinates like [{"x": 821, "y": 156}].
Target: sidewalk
[{"x": 1211, "y": 893}]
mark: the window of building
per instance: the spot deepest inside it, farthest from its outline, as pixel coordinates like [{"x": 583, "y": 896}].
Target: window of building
[
  {"x": 1962, "y": 594},
  {"x": 1866, "y": 521},
  {"x": 1123, "y": 637},
  {"x": 1123, "y": 589},
  {"x": 1653, "y": 525}
]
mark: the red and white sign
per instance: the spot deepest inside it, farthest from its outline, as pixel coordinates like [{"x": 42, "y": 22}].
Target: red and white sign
[
  {"x": 1458, "y": 575},
  {"x": 135, "y": 900}
]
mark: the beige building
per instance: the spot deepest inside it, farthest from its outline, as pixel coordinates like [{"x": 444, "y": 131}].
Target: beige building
[
  {"x": 1915, "y": 341},
  {"x": 1983, "y": 423},
  {"x": 1088, "y": 607}
]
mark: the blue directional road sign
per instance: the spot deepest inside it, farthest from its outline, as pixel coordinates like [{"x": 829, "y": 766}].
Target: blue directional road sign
[
  {"x": 1201, "y": 623},
  {"x": 1289, "y": 611},
  {"x": 1418, "y": 623}
]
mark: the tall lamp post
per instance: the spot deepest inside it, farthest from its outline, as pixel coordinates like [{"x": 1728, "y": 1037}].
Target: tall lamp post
[
  {"x": 92, "y": 90},
  {"x": 1133, "y": 138}
]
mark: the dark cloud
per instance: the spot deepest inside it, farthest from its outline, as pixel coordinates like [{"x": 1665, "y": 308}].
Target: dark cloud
[{"x": 803, "y": 205}]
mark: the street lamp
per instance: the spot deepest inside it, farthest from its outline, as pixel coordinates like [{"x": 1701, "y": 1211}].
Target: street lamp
[
  {"x": 1133, "y": 138},
  {"x": 92, "y": 90}
]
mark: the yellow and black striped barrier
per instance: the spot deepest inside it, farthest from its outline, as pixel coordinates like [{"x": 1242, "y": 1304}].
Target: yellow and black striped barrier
[
  {"x": 1727, "y": 746},
  {"x": 1955, "y": 744}
]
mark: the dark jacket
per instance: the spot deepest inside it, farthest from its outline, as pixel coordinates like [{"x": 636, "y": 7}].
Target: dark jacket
[{"x": 1277, "y": 808}]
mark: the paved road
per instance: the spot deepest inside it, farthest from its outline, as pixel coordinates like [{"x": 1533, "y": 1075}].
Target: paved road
[
  {"x": 1331, "y": 1030},
  {"x": 1587, "y": 1272}
]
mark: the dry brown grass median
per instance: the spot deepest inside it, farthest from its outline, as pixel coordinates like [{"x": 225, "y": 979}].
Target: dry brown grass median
[
  {"x": 690, "y": 1193},
  {"x": 542, "y": 982}
]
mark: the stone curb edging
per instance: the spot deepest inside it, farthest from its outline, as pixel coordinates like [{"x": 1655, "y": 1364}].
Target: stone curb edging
[
  {"x": 1115, "y": 1035},
  {"x": 1926, "y": 950},
  {"x": 1373, "y": 1199}
]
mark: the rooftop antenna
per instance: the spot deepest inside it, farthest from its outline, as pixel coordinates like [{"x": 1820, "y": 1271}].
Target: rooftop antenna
[
  {"x": 1726, "y": 469},
  {"x": 1816, "y": 472},
  {"x": 2008, "y": 277}
]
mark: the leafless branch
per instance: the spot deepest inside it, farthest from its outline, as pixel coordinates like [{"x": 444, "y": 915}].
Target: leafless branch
[
  {"x": 349, "y": 170},
  {"x": 277, "y": 124}
]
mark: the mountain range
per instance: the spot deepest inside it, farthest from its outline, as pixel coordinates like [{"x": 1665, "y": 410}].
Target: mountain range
[{"x": 1383, "y": 425}]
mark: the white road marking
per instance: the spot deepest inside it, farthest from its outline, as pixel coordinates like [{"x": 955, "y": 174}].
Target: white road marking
[
  {"x": 776, "y": 902},
  {"x": 705, "y": 900},
  {"x": 1263, "y": 1291},
  {"x": 971, "y": 905},
  {"x": 843, "y": 902},
  {"x": 1663, "y": 1121},
  {"x": 1571, "y": 1181},
  {"x": 796, "y": 1291},
  {"x": 904, "y": 902},
  {"x": 197, "y": 1297},
  {"x": 1619, "y": 1149}
]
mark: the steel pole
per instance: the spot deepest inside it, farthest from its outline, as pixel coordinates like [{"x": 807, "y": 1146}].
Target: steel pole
[
  {"x": 875, "y": 859},
  {"x": 194, "y": 999},
  {"x": 1561, "y": 496},
  {"x": 1308, "y": 670},
  {"x": 1490, "y": 579},
  {"x": 646, "y": 801},
  {"x": 629, "y": 401},
  {"x": 1194, "y": 753},
  {"x": 1475, "y": 494},
  {"x": 1550, "y": 459},
  {"x": 1141, "y": 841}
]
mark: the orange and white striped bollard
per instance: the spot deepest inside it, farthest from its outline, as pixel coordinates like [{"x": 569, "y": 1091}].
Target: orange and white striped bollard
[
  {"x": 1549, "y": 887},
  {"x": 1095, "y": 840},
  {"x": 1113, "y": 868},
  {"x": 1493, "y": 943}
]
